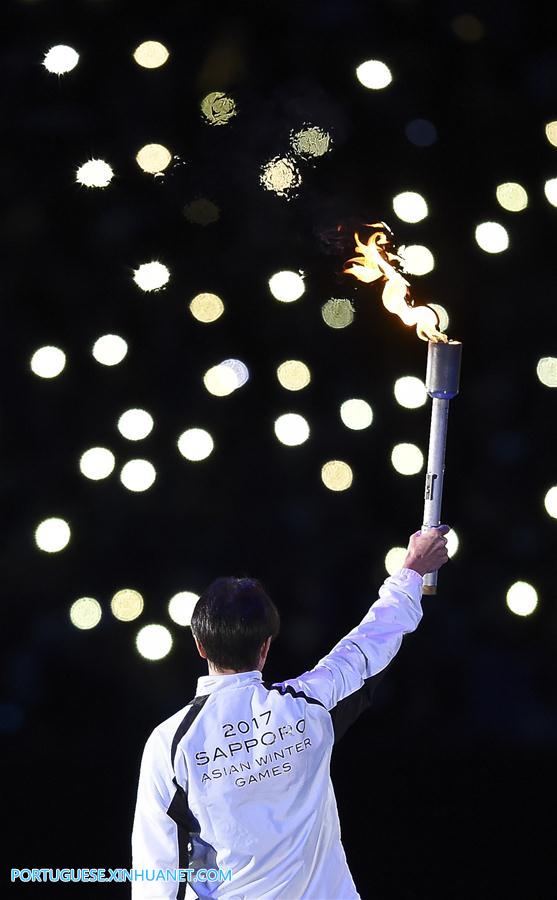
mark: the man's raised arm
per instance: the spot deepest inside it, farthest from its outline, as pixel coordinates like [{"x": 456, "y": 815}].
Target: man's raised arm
[{"x": 370, "y": 647}]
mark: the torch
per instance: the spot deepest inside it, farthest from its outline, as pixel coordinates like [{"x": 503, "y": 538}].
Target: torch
[
  {"x": 378, "y": 259},
  {"x": 442, "y": 383}
]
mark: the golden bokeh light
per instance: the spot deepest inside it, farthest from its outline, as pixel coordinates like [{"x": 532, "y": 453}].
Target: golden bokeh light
[
  {"x": 281, "y": 175},
  {"x": 153, "y": 158},
  {"x": 310, "y": 141},
  {"x": 126, "y": 605},
  {"x": 407, "y": 459},
  {"x": 337, "y": 475},
  {"x": 218, "y": 108},
  {"x": 151, "y": 54},
  {"x": 206, "y": 307},
  {"x": 293, "y": 374},
  {"x": 417, "y": 259},
  {"x": 394, "y": 559},
  {"x": 551, "y": 133},
  {"x": 550, "y": 191},
  {"x": 511, "y": 196},
  {"x": 546, "y": 370},
  {"x": 410, "y": 207}
]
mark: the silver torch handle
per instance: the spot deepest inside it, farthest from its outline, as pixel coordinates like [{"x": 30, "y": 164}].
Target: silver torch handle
[{"x": 442, "y": 384}]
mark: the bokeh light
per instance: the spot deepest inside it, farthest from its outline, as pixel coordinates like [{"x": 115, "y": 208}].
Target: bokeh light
[
  {"x": 310, "y": 141},
  {"x": 374, "y": 74},
  {"x": 151, "y": 276},
  {"x": 522, "y": 598},
  {"x": 337, "y": 312},
  {"x": 195, "y": 444},
  {"x": 110, "y": 349},
  {"x": 453, "y": 542},
  {"x": 492, "y": 237},
  {"x": 293, "y": 374},
  {"x": 127, "y": 604},
  {"x": 286, "y": 286},
  {"x": 550, "y": 190},
  {"x": 153, "y": 158},
  {"x": 356, "y": 414},
  {"x": 226, "y": 377},
  {"x": 94, "y": 173},
  {"x": 138, "y": 475},
  {"x": 135, "y": 424},
  {"x": 410, "y": 392},
  {"x": 337, "y": 475},
  {"x": 48, "y": 362},
  {"x": 407, "y": 459},
  {"x": 394, "y": 559},
  {"x": 61, "y": 59},
  {"x": 218, "y": 108},
  {"x": 291, "y": 429},
  {"x": 97, "y": 463},
  {"x": 511, "y": 196},
  {"x": 417, "y": 259},
  {"x": 410, "y": 207},
  {"x": 281, "y": 175},
  {"x": 181, "y": 607},
  {"x": 546, "y": 370},
  {"x": 151, "y": 54},
  {"x": 153, "y": 642},
  {"x": 550, "y": 502},
  {"x": 85, "y": 613},
  {"x": 206, "y": 307},
  {"x": 52, "y": 535},
  {"x": 551, "y": 133}
]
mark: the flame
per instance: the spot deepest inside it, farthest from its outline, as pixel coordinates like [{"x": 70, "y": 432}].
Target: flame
[{"x": 377, "y": 260}]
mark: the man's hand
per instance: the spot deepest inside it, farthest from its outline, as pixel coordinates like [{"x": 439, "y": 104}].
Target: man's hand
[{"x": 427, "y": 551}]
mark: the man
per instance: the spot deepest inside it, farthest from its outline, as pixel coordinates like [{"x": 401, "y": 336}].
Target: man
[{"x": 238, "y": 781}]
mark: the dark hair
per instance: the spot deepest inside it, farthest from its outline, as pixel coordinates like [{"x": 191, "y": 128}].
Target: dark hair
[{"x": 232, "y": 619}]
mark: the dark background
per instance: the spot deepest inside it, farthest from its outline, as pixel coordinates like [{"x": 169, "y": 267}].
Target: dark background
[{"x": 446, "y": 789}]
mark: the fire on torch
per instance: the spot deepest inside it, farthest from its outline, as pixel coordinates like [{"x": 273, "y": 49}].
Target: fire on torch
[{"x": 378, "y": 259}]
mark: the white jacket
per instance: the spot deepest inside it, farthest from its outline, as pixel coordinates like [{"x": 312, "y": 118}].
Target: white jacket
[{"x": 252, "y": 790}]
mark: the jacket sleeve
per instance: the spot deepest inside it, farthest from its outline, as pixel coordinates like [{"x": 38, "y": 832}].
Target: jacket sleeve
[
  {"x": 368, "y": 648},
  {"x": 154, "y": 834}
]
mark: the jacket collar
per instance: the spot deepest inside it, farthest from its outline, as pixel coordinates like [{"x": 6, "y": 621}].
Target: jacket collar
[{"x": 208, "y": 684}]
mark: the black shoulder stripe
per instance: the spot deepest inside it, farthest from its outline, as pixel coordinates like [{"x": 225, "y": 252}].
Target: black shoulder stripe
[
  {"x": 288, "y": 689},
  {"x": 197, "y": 705}
]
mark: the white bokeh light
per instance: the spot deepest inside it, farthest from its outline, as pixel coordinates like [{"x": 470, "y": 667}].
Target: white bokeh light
[
  {"x": 546, "y": 370},
  {"x": 291, "y": 429},
  {"x": 135, "y": 424},
  {"x": 85, "y": 613},
  {"x": 550, "y": 502},
  {"x": 195, "y": 444},
  {"x": 453, "y": 542},
  {"x": 550, "y": 191},
  {"x": 410, "y": 392},
  {"x": 138, "y": 475},
  {"x": 394, "y": 559},
  {"x": 52, "y": 535},
  {"x": 226, "y": 377},
  {"x": 410, "y": 207},
  {"x": 48, "y": 362},
  {"x": 356, "y": 414},
  {"x": 181, "y": 607},
  {"x": 94, "y": 173},
  {"x": 60, "y": 59},
  {"x": 407, "y": 459},
  {"x": 417, "y": 259},
  {"x": 110, "y": 349},
  {"x": 511, "y": 196},
  {"x": 492, "y": 237},
  {"x": 151, "y": 276},
  {"x": 97, "y": 463},
  {"x": 286, "y": 286},
  {"x": 150, "y": 54},
  {"x": 153, "y": 642},
  {"x": 522, "y": 598},
  {"x": 374, "y": 74}
]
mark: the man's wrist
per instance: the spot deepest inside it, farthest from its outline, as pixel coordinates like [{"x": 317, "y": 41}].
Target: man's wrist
[{"x": 414, "y": 564}]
